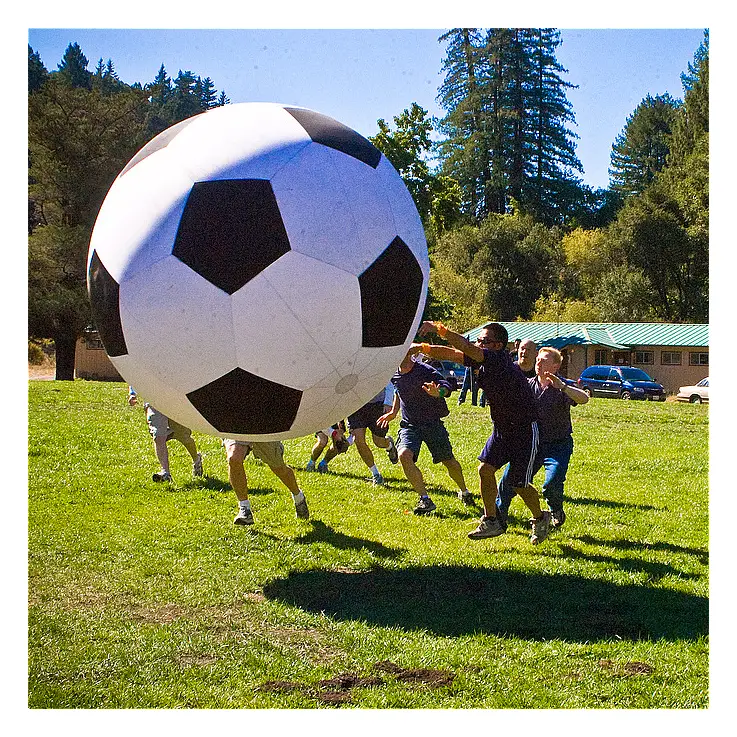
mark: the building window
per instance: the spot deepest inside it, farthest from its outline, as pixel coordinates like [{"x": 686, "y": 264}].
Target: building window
[
  {"x": 670, "y": 358},
  {"x": 621, "y": 358},
  {"x": 600, "y": 357},
  {"x": 698, "y": 359},
  {"x": 644, "y": 358}
]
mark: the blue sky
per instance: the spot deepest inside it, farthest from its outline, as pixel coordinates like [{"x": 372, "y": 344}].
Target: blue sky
[{"x": 358, "y": 76}]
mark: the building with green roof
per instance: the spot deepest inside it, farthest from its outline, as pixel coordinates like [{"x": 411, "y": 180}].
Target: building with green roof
[{"x": 675, "y": 355}]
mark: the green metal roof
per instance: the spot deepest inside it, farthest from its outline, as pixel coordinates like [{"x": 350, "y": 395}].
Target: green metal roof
[{"x": 617, "y": 335}]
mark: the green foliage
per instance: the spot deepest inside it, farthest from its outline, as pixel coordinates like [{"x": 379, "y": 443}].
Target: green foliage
[
  {"x": 641, "y": 149},
  {"x": 555, "y": 308},
  {"x": 143, "y": 595}
]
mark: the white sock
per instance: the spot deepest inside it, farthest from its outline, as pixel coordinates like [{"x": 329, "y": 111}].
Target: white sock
[
  {"x": 244, "y": 503},
  {"x": 298, "y": 497}
]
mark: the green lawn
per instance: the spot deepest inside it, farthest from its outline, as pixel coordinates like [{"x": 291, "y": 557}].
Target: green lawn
[{"x": 144, "y": 595}]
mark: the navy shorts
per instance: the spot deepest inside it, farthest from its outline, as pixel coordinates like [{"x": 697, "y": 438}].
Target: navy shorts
[
  {"x": 367, "y": 417},
  {"x": 517, "y": 449},
  {"x": 433, "y": 434}
]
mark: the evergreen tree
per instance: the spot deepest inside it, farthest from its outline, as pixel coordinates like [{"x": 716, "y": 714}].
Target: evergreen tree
[
  {"x": 223, "y": 99},
  {"x": 73, "y": 67},
  {"x": 208, "y": 94},
  {"x": 37, "y": 72},
  {"x": 641, "y": 149}
]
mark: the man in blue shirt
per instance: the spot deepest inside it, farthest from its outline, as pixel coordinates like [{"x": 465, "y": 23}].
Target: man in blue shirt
[
  {"x": 554, "y": 401},
  {"x": 420, "y": 393},
  {"x": 512, "y": 408}
]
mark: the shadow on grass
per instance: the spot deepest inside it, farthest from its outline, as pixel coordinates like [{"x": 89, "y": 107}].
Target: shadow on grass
[
  {"x": 608, "y": 504},
  {"x": 702, "y": 555},
  {"x": 322, "y": 533},
  {"x": 456, "y": 600}
]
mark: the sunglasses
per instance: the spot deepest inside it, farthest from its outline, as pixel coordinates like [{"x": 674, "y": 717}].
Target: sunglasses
[{"x": 486, "y": 341}]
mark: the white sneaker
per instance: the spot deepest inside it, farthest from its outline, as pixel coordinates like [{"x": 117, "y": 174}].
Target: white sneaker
[
  {"x": 466, "y": 497},
  {"x": 540, "y": 528}
]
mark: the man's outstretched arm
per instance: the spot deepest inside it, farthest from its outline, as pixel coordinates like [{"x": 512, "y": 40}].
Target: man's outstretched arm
[{"x": 456, "y": 340}]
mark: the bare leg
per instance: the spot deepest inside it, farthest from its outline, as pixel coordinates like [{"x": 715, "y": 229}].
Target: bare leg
[
  {"x": 413, "y": 474},
  {"x": 487, "y": 475},
  {"x": 380, "y": 442},
  {"x": 531, "y": 498},
  {"x": 455, "y": 472},
  {"x": 191, "y": 447},
  {"x": 236, "y": 471},
  {"x": 286, "y": 475},
  {"x": 162, "y": 452},
  {"x": 320, "y": 443},
  {"x": 364, "y": 451}
]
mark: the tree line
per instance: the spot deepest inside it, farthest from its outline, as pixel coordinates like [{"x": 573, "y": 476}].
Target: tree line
[{"x": 512, "y": 229}]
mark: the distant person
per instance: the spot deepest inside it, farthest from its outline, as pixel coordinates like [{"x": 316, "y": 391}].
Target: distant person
[
  {"x": 526, "y": 355},
  {"x": 554, "y": 401},
  {"x": 470, "y": 381},
  {"x": 513, "y": 411},
  {"x": 163, "y": 429},
  {"x": 420, "y": 393},
  {"x": 272, "y": 454},
  {"x": 367, "y": 418},
  {"x": 335, "y": 435}
]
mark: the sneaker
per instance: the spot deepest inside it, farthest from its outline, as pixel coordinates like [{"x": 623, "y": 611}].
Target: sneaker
[
  {"x": 558, "y": 518},
  {"x": 310, "y": 465},
  {"x": 244, "y": 517},
  {"x": 488, "y": 527},
  {"x": 197, "y": 466},
  {"x": 322, "y": 467},
  {"x": 301, "y": 509},
  {"x": 540, "y": 528},
  {"x": 391, "y": 451},
  {"x": 377, "y": 480},
  {"x": 162, "y": 476},
  {"x": 425, "y": 506},
  {"x": 466, "y": 497}
]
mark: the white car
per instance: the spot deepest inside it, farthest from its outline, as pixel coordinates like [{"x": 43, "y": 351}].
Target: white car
[{"x": 694, "y": 394}]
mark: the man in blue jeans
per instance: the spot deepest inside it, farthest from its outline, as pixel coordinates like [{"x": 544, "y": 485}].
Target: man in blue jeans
[{"x": 554, "y": 401}]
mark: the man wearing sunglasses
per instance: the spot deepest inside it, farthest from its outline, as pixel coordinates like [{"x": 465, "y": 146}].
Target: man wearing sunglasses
[{"x": 514, "y": 439}]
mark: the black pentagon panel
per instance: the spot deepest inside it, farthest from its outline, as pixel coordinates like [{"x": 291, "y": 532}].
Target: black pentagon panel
[
  {"x": 157, "y": 143},
  {"x": 230, "y": 231},
  {"x": 104, "y": 301},
  {"x": 329, "y": 132},
  {"x": 391, "y": 289},
  {"x": 242, "y": 403}
]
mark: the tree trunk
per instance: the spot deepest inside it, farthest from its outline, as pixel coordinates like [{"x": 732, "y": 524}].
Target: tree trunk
[{"x": 65, "y": 351}]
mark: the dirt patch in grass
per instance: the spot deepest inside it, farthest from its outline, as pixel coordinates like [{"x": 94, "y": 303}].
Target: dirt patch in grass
[
  {"x": 428, "y": 676},
  {"x": 626, "y": 670}
]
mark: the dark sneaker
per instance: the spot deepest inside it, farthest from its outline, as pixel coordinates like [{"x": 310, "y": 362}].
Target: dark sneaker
[
  {"x": 559, "y": 518},
  {"x": 466, "y": 497},
  {"x": 540, "y": 528},
  {"x": 244, "y": 517},
  {"x": 310, "y": 465},
  {"x": 161, "y": 476},
  {"x": 322, "y": 467},
  {"x": 425, "y": 506},
  {"x": 302, "y": 509},
  {"x": 391, "y": 451},
  {"x": 488, "y": 527},
  {"x": 377, "y": 479},
  {"x": 197, "y": 466}
]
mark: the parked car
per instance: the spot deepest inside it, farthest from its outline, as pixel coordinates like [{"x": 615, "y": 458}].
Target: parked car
[
  {"x": 624, "y": 382},
  {"x": 452, "y": 371},
  {"x": 695, "y": 394}
]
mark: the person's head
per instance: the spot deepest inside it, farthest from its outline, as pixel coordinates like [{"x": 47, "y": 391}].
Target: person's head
[
  {"x": 493, "y": 336},
  {"x": 526, "y": 353},
  {"x": 548, "y": 360}
]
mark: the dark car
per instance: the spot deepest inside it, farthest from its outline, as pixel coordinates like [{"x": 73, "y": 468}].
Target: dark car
[{"x": 623, "y": 382}]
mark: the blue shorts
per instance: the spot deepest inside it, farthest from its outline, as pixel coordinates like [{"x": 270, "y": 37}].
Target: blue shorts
[
  {"x": 517, "y": 449},
  {"x": 433, "y": 434}
]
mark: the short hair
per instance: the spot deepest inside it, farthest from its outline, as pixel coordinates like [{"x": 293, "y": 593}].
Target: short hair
[
  {"x": 554, "y": 352},
  {"x": 497, "y": 332},
  {"x": 530, "y": 341}
]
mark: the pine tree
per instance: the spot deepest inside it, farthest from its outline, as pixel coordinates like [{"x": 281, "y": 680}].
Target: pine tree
[
  {"x": 73, "y": 67},
  {"x": 37, "y": 72},
  {"x": 641, "y": 150},
  {"x": 223, "y": 99},
  {"x": 208, "y": 94}
]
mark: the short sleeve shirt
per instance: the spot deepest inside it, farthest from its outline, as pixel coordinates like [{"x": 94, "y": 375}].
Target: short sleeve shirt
[
  {"x": 554, "y": 412},
  {"x": 507, "y": 391},
  {"x": 418, "y": 407}
]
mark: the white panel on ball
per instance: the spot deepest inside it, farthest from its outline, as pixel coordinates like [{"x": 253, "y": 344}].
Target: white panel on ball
[
  {"x": 242, "y": 141},
  {"x": 140, "y": 216},
  {"x": 269, "y": 339},
  {"x": 179, "y": 323}
]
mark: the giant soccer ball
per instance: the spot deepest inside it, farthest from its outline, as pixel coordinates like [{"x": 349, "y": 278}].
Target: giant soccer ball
[{"x": 257, "y": 271}]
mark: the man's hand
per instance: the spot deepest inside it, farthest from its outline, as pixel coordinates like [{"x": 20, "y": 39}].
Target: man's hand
[
  {"x": 553, "y": 380},
  {"x": 432, "y": 388},
  {"x": 428, "y": 327},
  {"x": 385, "y": 419}
]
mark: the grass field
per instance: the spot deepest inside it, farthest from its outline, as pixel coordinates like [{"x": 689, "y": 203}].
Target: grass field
[{"x": 144, "y": 595}]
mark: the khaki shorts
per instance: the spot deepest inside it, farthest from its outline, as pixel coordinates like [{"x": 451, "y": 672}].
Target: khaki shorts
[
  {"x": 161, "y": 426},
  {"x": 271, "y": 452}
]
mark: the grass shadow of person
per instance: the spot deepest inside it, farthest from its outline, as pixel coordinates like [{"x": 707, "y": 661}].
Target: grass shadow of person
[{"x": 458, "y": 601}]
